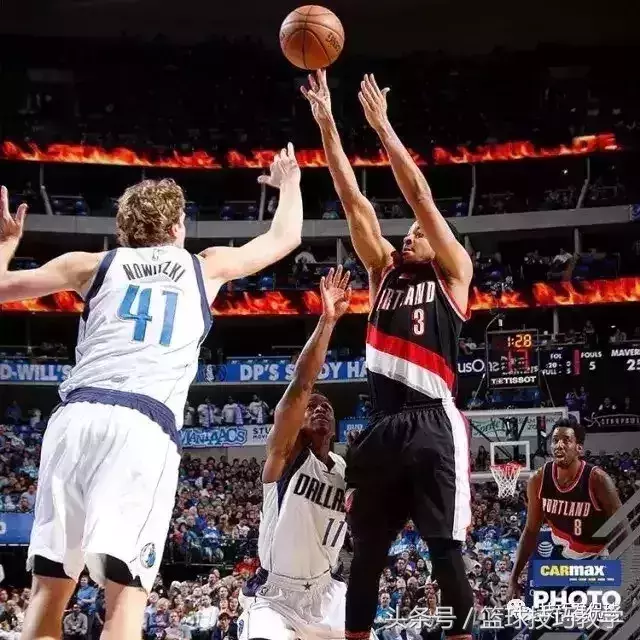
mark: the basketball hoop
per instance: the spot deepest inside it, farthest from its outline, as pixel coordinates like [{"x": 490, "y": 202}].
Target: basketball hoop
[{"x": 506, "y": 477}]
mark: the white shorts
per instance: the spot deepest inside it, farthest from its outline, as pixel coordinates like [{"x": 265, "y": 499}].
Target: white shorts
[
  {"x": 107, "y": 484},
  {"x": 284, "y": 608}
]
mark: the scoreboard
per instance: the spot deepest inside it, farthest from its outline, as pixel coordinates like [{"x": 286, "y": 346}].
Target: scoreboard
[
  {"x": 514, "y": 359},
  {"x": 517, "y": 357}
]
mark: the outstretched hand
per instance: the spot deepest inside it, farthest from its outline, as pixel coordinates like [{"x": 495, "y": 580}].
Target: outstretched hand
[
  {"x": 374, "y": 102},
  {"x": 336, "y": 293},
  {"x": 11, "y": 227},
  {"x": 318, "y": 96},
  {"x": 284, "y": 168}
]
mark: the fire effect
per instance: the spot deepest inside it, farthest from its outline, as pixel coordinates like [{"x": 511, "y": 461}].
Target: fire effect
[
  {"x": 480, "y": 301},
  {"x": 307, "y": 158},
  {"x": 81, "y": 154},
  {"x": 510, "y": 151},
  {"x": 291, "y": 303},
  {"x": 595, "y": 292}
]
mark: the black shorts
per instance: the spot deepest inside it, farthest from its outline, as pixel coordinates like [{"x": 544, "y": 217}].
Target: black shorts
[{"x": 413, "y": 464}]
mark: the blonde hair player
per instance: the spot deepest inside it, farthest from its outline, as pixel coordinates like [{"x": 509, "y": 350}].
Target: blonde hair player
[{"x": 101, "y": 503}]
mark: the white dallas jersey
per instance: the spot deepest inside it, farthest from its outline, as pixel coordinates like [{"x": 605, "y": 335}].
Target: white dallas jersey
[
  {"x": 303, "y": 524},
  {"x": 145, "y": 318}
]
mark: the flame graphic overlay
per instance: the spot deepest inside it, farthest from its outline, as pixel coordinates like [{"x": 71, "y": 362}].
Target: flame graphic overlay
[
  {"x": 307, "y": 158},
  {"x": 290, "y": 303}
]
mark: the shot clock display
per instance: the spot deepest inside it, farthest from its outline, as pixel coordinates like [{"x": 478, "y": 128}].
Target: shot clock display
[{"x": 512, "y": 359}]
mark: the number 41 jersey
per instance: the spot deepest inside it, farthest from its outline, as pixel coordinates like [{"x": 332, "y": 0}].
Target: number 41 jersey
[{"x": 145, "y": 317}]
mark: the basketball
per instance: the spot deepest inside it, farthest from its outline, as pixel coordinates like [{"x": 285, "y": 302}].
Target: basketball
[{"x": 311, "y": 37}]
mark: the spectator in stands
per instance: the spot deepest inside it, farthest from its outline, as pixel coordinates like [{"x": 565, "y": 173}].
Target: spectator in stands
[
  {"x": 206, "y": 619},
  {"x": 86, "y": 599},
  {"x": 206, "y": 412},
  {"x": 75, "y": 624},
  {"x": 189, "y": 415},
  {"x": 231, "y": 413},
  {"x": 258, "y": 410},
  {"x": 618, "y": 336},
  {"x": 607, "y": 408},
  {"x": 225, "y": 629},
  {"x": 13, "y": 414}
]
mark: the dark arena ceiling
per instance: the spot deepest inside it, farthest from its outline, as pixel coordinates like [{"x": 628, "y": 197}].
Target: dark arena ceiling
[{"x": 382, "y": 27}]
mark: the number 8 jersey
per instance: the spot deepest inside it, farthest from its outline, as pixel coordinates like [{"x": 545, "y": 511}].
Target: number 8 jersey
[{"x": 145, "y": 317}]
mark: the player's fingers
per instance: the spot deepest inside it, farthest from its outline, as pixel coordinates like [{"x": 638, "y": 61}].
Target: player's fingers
[
  {"x": 283, "y": 155},
  {"x": 21, "y": 214},
  {"x": 263, "y": 179},
  {"x": 367, "y": 92},
  {"x": 312, "y": 82},
  {"x": 375, "y": 86},
  {"x": 329, "y": 278},
  {"x": 347, "y": 295},
  {"x": 323, "y": 284},
  {"x": 345, "y": 280},
  {"x": 304, "y": 92},
  {"x": 4, "y": 202},
  {"x": 363, "y": 101},
  {"x": 386, "y": 90},
  {"x": 338, "y": 277},
  {"x": 322, "y": 78},
  {"x": 291, "y": 152}
]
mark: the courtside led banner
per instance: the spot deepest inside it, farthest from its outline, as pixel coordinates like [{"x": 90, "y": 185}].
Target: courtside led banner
[
  {"x": 293, "y": 303},
  {"x": 307, "y": 158},
  {"x": 576, "y": 573}
]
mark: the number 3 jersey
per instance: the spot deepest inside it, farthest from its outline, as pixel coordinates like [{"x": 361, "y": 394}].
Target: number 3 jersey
[
  {"x": 145, "y": 317},
  {"x": 412, "y": 338},
  {"x": 302, "y": 526}
]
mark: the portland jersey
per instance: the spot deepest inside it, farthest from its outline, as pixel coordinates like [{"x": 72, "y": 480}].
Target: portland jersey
[
  {"x": 412, "y": 338},
  {"x": 145, "y": 317},
  {"x": 303, "y": 524},
  {"x": 572, "y": 513}
]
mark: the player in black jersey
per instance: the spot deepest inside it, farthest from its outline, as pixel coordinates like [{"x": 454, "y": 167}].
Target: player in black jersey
[
  {"x": 413, "y": 459},
  {"x": 573, "y": 497}
]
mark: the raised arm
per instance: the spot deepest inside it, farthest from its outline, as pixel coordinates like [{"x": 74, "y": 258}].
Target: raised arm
[
  {"x": 451, "y": 256},
  {"x": 71, "y": 271},
  {"x": 283, "y": 236},
  {"x": 529, "y": 538},
  {"x": 372, "y": 249},
  {"x": 290, "y": 412}
]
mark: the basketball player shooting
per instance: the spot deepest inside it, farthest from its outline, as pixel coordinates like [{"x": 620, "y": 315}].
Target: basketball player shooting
[
  {"x": 302, "y": 527},
  {"x": 101, "y": 503},
  {"x": 413, "y": 459},
  {"x": 573, "y": 497}
]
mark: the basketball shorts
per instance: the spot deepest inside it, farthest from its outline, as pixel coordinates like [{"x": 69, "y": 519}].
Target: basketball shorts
[
  {"x": 279, "y": 608},
  {"x": 412, "y": 464},
  {"x": 107, "y": 484}
]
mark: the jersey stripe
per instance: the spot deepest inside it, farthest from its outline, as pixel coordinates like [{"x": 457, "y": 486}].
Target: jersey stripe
[
  {"x": 408, "y": 362},
  {"x": 569, "y": 542},
  {"x": 207, "y": 316},
  {"x": 448, "y": 295},
  {"x": 98, "y": 280}
]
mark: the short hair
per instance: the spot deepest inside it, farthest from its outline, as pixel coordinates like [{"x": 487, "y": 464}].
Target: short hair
[
  {"x": 454, "y": 230},
  {"x": 572, "y": 423},
  {"x": 147, "y": 212},
  {"x": 317, "y": 398}
]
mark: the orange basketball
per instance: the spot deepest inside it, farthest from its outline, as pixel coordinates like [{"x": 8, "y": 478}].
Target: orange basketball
[{"x": 311, "y": 37}]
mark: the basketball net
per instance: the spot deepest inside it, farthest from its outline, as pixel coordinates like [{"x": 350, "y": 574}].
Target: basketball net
[{"x": 506, "y": 477}]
